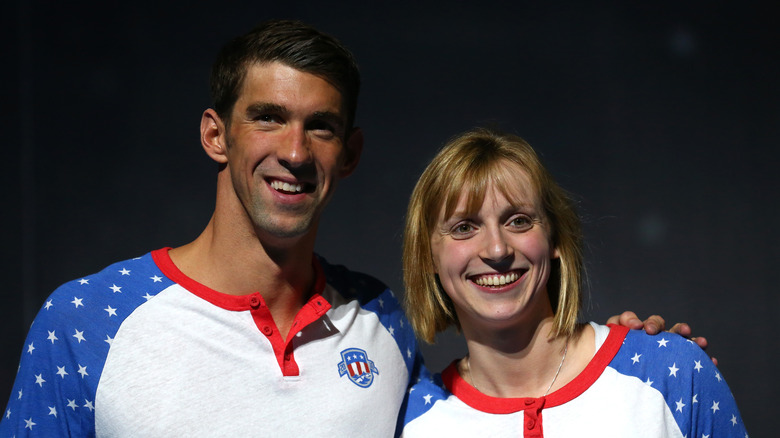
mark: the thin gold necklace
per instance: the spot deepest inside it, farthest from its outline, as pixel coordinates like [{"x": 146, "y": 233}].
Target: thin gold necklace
[{"x": 560, "y": 365}]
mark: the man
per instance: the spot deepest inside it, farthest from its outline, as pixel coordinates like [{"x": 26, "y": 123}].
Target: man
[{"x": 244, "y": 331}]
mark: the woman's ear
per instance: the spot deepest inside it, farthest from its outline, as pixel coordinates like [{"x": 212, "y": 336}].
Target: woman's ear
[
  {"x": 213, "y": 136},
  {"x": 556, "y": 254}
]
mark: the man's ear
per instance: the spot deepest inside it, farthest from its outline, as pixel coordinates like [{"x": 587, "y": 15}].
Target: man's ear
[
  {"x": 213, "y": 136},
  {"x": 353, "y": 149}
]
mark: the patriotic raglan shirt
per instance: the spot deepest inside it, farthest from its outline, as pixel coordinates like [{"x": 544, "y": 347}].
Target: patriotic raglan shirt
[
  {"x": 636, "y": 385},
  {"x": 140, "y": 349}
]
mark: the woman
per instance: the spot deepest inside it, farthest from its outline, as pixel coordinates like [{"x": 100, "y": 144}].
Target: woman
[{"x": 493, "y": 247}]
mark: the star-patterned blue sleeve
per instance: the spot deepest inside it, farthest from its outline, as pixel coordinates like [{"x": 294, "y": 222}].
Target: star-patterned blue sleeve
[
  {"x": 693, "y": 388},
  {"x": 66, "y": 347}
]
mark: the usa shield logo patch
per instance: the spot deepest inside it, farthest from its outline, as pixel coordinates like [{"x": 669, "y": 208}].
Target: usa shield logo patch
[{"x": 356, "y": 365}]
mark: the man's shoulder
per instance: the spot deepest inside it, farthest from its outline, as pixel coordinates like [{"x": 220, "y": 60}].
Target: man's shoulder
[
  {"x": 127, "y": 283},
  {"x": 352, "y": 284}
]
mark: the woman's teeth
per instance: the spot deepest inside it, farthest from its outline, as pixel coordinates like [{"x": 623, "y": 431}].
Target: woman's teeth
[{"x": 497, "y": 280}]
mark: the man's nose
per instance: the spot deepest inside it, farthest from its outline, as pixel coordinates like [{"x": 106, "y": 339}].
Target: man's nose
[{"x": 295, "y": 149}]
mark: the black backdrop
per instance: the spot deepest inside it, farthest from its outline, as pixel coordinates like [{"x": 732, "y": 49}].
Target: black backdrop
[{"x": 663, "y": 119}]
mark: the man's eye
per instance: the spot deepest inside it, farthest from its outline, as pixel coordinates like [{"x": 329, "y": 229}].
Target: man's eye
[
  {"x": 322, "y": 129},
  {"x": 268, "y": 118},
  {"x": 320, "y": 125}
]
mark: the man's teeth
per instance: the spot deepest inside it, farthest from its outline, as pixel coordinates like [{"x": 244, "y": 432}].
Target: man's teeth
[
  {"x": 497, "y": 280},
  {"x": 286, "y": 187}
]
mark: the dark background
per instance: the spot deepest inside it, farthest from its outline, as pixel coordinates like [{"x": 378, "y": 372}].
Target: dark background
[{"x": 663, "y": 119}]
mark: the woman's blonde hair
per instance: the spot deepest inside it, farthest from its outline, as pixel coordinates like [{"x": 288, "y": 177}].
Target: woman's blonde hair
[{"x": 472, "y": 162}]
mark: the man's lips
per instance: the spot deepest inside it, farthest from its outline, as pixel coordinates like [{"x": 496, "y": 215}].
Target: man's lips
[{"x": 498, "y": 279}]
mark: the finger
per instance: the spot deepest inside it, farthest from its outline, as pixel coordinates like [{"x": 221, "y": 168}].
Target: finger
[
  {"x": 654, "y": 324},
  {"x": 630, "y": 320},
  {"x": 701, "y": 341},
  {"x": 714, "y": 361},
  {"x": 681, "y": 329}
]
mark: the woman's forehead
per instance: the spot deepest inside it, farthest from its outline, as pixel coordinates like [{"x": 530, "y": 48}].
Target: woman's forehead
[{"x": 508, "y": 181}]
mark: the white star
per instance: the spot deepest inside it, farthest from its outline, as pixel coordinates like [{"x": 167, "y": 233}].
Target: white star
[
  {"x": 109, "y": 339},
  {"x": 401, "y": 321},
  {"x": 8, "y": 414},
  {"x": 83, "y": 371},
  {"x": 698, "y": 366},
  {"x": 680, "y": 405},
  {"x": 156, "y": 279},
  {"x": 673, "y": 370},
  {"x": 124, "y": 271},
  {"x": 705, "y": 436},
  {"x": 20, "y": 394},
  {"x": 39, "y": 380},
  {"x": 391, "y": 330},
  {"x": 733, "y": 420},
  {"x": 52, "y": 337},
  {"x": 84, "y": 281},
  {"x": 116, "y": 288},
  {"x": 111, "y": 311},
  {"x": 30, "y": 348},
  {"x": 662, "y": 343},
  {"x": 79, "y": 335},
  {"x": 381, "y": 303},
  {"x": 72, "y": 404},
  {"x": 53, "y": 411},
  {"x": 649, "y": 382},
  {"x": 715, "y": 406},
  {"x": 61, "y": 372},
  {"x": 89, "y": 405},
  {"x": 408, "y": 353},
  {"x": 717, "y": 376},
  {"x": 695, "y": 400},
  {"x": 77, "y": 302},
  {"x": 48, "y": 304},
  {"x": 636, "y": 357},
  {"x": 29, "y": 424},
  {"x": 427, "y": 399},
  {"x": 148, "y": 297}
]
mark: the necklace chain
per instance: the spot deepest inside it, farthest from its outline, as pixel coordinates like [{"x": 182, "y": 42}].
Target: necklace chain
[{"x": 560, "y": 365}]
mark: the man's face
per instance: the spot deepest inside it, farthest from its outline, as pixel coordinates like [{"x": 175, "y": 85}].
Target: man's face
[{"x": 286, "y": 148}]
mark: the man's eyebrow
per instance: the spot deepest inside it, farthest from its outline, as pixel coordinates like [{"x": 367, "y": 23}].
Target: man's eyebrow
[
  {"x": 336, "y": 119},
  {"x": 258, "y": 108}
]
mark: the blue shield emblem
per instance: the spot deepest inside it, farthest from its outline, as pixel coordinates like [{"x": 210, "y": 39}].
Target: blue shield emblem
[{"x": 356, "y": 365}]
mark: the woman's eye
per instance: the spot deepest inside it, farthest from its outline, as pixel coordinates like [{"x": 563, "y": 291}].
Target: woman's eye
[
  {"x": 522, "y": 223},
  {"x": 462, "y": 230}
]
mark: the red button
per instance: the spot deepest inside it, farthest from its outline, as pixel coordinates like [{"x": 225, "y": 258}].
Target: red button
[
  {"x": 286, "y": 356},
  {"x": 254, "y": 301},
  {"x": 530, "y": 424},
  {"x": 268, "y": 330},
  {"x": 529, "y": 401}
]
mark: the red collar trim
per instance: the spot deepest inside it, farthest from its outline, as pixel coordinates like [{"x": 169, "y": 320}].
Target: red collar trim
[
  {"x": 235, "y": 302},
  {"x": 497, "y": 405}
]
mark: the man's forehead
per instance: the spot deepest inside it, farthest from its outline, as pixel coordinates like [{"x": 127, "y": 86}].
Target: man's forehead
[{"x": 278, "y": 83}]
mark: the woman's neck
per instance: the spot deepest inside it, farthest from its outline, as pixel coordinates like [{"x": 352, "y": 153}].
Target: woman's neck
[{"x": 524, "y": 361}]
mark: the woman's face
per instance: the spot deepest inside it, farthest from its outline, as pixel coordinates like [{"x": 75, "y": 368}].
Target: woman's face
[{"x": 494, "y": 264}]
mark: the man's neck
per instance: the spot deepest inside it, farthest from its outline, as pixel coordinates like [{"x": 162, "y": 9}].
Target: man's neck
[{"x": 237, "y": 263}]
